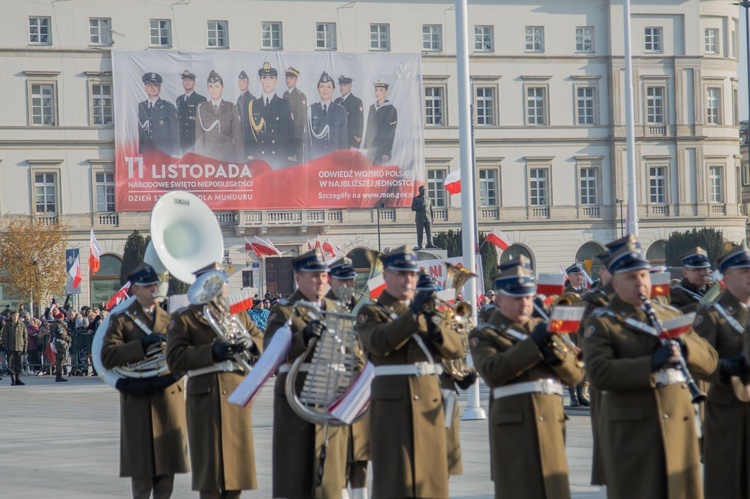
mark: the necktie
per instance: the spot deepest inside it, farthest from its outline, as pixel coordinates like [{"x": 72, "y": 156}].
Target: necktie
[
  {"x": 150, "y": 105},
  {"x": 325, "y": 109},
  {"x": 216, "y": 107},
  {"x": 268, "y": 101}
]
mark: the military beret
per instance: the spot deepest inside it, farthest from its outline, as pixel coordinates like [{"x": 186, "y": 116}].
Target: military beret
[
  {"x": 343, "y": 269},
  {"x": 213, "y": 77},
  {"x": 58, "y": 315},
  {"x": 344, "y": 80},
  {"x": 152, "y": 79},
  {"x": 381, "y": 84},
  {"x": 696, "y": 258},
  {"x": 576, "y": 268},
  {"x": 312, "y": 261},
  {"x": 516, "y": 281},
  {"x": 143, "y": 275},
  {"x": 401, "y": 258},
  {"x": 188, "y": 75},
  {"x": 325, "y": 78},
  {"x": 243, "y": 75},
  {"x": 290, "y": 71},
  {"x": 736, "y": 258},
  {"x": 267, "y": 70}
]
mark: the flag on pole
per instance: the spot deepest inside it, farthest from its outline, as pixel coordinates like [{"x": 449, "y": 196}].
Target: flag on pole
[
  {"x": 452, "y": 182},
  {"x": 329, "y": 248},
  {"x": 565, "y": 319},
  {"x": 497, "y": 238},
  {"x": 122, "y": 294},
  {"x": 262, "y": 247},
  {"x": 550, "y": 284},
  {"x": 376, "y": 286},
  {"x": 677, "y": 326},
  {"x": 75, "y": 272},
  {"x": 95, "y": 252}
]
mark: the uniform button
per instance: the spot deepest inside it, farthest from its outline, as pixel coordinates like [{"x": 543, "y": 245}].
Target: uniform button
[
  {"x": 666, "y": 416},
  {"x": 416, "y": 397},
  {"x": 273, "y": 142},
  {"x": 541, "y": 418},
  {"x": 223, "y": 392}
]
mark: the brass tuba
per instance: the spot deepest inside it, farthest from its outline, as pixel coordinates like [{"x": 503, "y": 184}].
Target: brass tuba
[{"x": 460, "y": 318}]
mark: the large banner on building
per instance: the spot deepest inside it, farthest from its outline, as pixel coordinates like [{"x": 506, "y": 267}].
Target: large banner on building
[{"x": 261, "y": 130}]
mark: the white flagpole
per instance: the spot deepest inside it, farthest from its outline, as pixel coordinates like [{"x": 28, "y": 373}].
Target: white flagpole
[
  {"x": 474, "y": 410},
  {"x": 630, "y": 126}
]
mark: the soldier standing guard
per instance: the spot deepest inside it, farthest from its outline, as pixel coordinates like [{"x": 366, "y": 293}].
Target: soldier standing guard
[
  {"x": 355, "y": 113},
  {"x": 59, "y": 332},
  {"x": 15, "y": 341},
  {"x": 298, "y": 103},
  {"x": 220, "y": 433},
  {"x": 686, "y": 295},
  {"x": 218, "y": 134},
  {"x": 326, "y": 123},
  {"x": 647, "y": 421},
  {"x": 382, "y": 119},
  {"x": 723, "y": 323},
  {"x": 187, "y": 105},
  {"x": 243, "y": 108},
  {"x": 153, "y": 442},
  {"x": 158, "y": 127},
  {"x": 406, "y": 340},
  {"x": 523, "y": 364}
]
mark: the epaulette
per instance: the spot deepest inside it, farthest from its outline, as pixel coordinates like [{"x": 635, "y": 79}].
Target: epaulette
[
  {"x": 485, "y": 325},
  {"x": 598, "y": 312}
]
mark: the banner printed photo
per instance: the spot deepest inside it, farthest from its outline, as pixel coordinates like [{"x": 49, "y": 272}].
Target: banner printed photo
[{"x": 263, "y": 130}]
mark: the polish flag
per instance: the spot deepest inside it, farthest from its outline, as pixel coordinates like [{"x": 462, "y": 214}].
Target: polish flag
[
  {"x": 497, "y": 238},
  {"x": 660, "y": 284},
  {"x": 95, "y": 252},
  {"x": 376, "y": 285},
  {"x": 329, "y": 248},
  {"x": 262, "y": 247},
  {"x": 550, "y": 284},
  {"x": 122, "y": 294},
  {"x": 241, "y": 301},
  {"x": 452, "y": 182},
  {"x": 565, "y": 319},
  {"x": 677, "y": 326},
  {"x": 75, "y": 273}
]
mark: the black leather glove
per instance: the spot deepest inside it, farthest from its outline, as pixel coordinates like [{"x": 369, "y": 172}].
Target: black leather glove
[
  {"x": 660, "y": 357},
  {"x": 433, "y": 328},
  {"x": 420, "y": 301},
  {"x": 736, "y": 366},
  {"x": 222, "y": 351},
  {"x": 244, "y": 343},
  {"x": 313, "y": 330},
  {"x": 468, "y": 380},
  {"x": 540, "y": 334},
  {"x": 151, "y": 339}
]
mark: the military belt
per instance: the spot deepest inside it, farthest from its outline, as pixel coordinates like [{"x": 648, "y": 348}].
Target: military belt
[
  {"x": 548, "y": 386},
  {"x": 222, "y": 367},
  {"x": 304, "y": 368},
  {"x": 418, "y": 369},
  {"x": 669, "y": 377}
]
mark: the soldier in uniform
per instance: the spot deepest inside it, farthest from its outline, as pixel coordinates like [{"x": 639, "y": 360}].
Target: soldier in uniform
[
  {"x": 723, "y": 323},
  {"x": 153, "y": 441},
  {"x": 158, "y": 127},
  {"x": 298, "y": 102},
  {"x": 243, "y": 108},
  {"x": 686, "y": 295},
  {"x": 342, "y": 278},
  {"x": 187, "y": 105},
  {"x": 575, "y": 278},
  {"x": 296, "y": 442},
  {"x": 382, "y": 120},
  {"x": 218, "y": 134},
  {"x": 15, "y": 340},
  {"x": 272, "y": 124},
  {"x": 648, "y": 435},
  {"x": 524, "y": 364},
  {"x": 326, "y": 123},
  {"x": 59, "y": 332},
  {"x": 220, "y": 433},
  {"x": 355, "y": 112},
  {"x": 406, "y": 340}
]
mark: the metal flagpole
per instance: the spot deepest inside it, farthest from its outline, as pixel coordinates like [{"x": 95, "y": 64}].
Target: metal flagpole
[
  {"x": 468, "y": 205},
  {"x": 630, "y": 127}
]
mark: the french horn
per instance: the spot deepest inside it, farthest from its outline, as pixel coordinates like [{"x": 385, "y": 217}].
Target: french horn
[{"x": 460, "y": 320}]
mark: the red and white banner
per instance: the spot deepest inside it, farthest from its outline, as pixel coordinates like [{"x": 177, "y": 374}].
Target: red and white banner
[
  {"x": 95, "y": 252},
  {"x": 187, "y": 121},
  {"x": 660, "y": 284},
  {"x": 376, "y": 286},
  {"x": 240, "y": 301},
  {"x": 677, "y": 326},
  {"x": 565, "y": 319},
  {"x": 262, "y": 247},
  {"x": 75, "y": 273},
  {"x": 550, "y": 284},
  {"x": 499, "y": 239},
  {"x": 122, "y": 294},
  {"x": 452, "y": 182}
]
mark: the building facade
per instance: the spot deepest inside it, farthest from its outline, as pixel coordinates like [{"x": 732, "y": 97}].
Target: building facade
[{"x": 548, "y": 107}]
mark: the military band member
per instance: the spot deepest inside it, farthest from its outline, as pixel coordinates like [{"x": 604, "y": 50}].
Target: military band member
[
  {"x": 220, "y": 433},
  {"x": 272, "y": 124},
  {"x": 187, "y": 105},
  {"x": 243, "y": 108},
  {"x": 575, "y": 277},
  {"x": 342, "y": 279},
  {"x": 218, "y": 134},
  {"x": 153, "y": 440},
  {"x": 298, "y": 102},
  {"x": 382, "y": 120},
  {"x": 355, "y": 112},
  {"x": 648, "y": 434},
  {"x": 723, "y": 323},
  {"x": 297, "y": 443},
  {"x": 524, "y": 364},
  {"x": 686, "y": 295},
  {"x": 158, "y": 128},
  {"x": 404, "y": 340},
  {"x": 326, "y": 123}
]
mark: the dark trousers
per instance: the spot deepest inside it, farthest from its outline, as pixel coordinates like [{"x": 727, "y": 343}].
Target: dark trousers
[
  {"x": 426, "y": 226},
  {"x": 161, "y": 485},
  {"x": 14, "y": 362},
  {"x": 227, "y": 494},
  {"x": 61, "y": 357}
]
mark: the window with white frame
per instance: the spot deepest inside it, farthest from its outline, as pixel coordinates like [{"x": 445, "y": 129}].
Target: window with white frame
[
  {"x": 657, "y": 184},
  {"x": 584, "y": 39},
  {"x": 484, "y": 39},
  {"x": 105, "y": 192},
  {"x": 161, "y": 32},
  {"x": 432, "y": 37},
  {"x": 434, "y": 106},
  {"x": 711, "y": 38},
  {"x": 653, "y": 39},
  {"x": 325, "y": 36},
  {"x": 271, "y": 36},
  {"x": 436, "y": 186},
  {"x": 534, "y": 38},
  {"x": 536, "y": 106},
  {"x": 39, "y": 31},
  {"x": 713, "y": 106},
  {"x": 101, "y": 104},
  {"x": 588, "y": 185},
  {"x": 585, "y": 105},
  {"x": 380, "y": 37},
  {"x": 485, "y": 106},
  {"x": 45, "y": 193},
  {"x": 218, "y": 34},
  {"x": 488, "y": 187},
  {"x": 539, "y": 186},
  {"x": 715, "y": 184},
  {"x": 43, "y": 104},
  {"x": 100, "y": 31},
  {"x": 655, "y": 105}
]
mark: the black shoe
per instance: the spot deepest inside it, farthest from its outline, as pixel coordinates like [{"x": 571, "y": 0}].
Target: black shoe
[
  {"x": 431, "y": 246},
  {"x": 417, "y": 248},
  {"x": 60, "y": 379},
  {"x": 12, "y": 379},
  {"x": 19, "y": 382}
]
